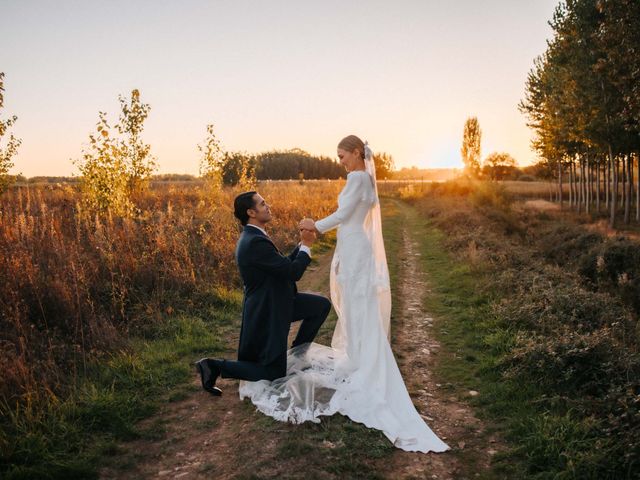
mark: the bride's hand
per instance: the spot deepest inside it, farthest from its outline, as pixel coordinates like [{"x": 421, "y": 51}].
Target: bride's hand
[{"x": 307, "y": 224}]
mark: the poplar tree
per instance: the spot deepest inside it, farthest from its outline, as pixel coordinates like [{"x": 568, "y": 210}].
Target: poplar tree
[
  {"x": 583, "y": 101},
  {"x": 471, "y": 150}
]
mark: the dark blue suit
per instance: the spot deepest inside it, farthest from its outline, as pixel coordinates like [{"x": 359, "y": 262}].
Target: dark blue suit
[{"x": 271, "y": 303}]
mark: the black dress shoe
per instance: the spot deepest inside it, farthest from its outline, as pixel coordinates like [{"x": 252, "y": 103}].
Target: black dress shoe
[{"x": 208, "y": 375}]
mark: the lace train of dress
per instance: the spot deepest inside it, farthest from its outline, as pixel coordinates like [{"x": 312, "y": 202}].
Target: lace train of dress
[{"x": 358, "y": 375}]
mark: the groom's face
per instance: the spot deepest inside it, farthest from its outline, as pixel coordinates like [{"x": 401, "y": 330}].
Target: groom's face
[{"x": 261, "y": 211}]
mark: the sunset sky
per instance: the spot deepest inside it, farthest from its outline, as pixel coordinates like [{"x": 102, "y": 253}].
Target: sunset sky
[{"x": 403, "y": 75}]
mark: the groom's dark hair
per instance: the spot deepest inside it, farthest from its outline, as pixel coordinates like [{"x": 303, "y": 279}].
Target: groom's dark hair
[{"x": 241, "y": 204}]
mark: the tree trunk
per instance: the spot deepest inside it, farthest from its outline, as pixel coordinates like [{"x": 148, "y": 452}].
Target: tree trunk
[
  {"x": 592, "y": 186},
  {"x": 623, "y": 193},
  {"x": 621, "y": 180},
  {"x": 627, "y": 190},
  {"x": 578, "y": 189},
  {"x": 560, "y": 183},
  {"x": 582, "y": 188},
  {"x": 587, "y": 184},
  {"x": 583, "y": 178},
  {"x": 631, "y": 184},
  {"x": 607, "y": 180},
  {"x": 571, "y": 178},
  {"x": 614, "y": 189},
  {"x": 597, "y": 188},
  {"x": 638, "y": 189}
]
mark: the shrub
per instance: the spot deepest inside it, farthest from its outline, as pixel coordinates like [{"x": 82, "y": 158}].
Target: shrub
[
  {"x": 527, "y": 178},
  {"x": 614, "y": 266},
  {"x": 559, "y": 328},
  {"x": 569, "y": 363},
  {"x": 537, "y": 302},
  {"x": 566, "y": 243}
]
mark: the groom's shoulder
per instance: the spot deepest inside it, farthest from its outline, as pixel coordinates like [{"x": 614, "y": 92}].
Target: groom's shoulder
[{"x": 249, "y": 237}]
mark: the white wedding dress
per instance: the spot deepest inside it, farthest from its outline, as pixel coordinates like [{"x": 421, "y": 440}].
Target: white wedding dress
[{"x": 357, "y": 376}]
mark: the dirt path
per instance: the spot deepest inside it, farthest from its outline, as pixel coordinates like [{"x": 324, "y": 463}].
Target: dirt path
[
  {"x": 202, "y": 437},
  {"x": 417, "y": 352}
]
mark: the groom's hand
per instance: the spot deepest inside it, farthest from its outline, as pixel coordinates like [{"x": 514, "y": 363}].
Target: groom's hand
[{"x": 307, "y": 237}]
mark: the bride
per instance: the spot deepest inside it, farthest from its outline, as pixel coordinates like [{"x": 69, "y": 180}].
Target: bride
[{"x": 357, "y": 376}]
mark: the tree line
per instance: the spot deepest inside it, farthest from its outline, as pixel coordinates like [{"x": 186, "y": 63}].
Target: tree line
[
  {"x": 582, "y": 99},
  {"x": 232, "y": 168}
]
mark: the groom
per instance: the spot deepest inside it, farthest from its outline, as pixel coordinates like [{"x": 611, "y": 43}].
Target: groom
[{"x": 271, "y": 300}]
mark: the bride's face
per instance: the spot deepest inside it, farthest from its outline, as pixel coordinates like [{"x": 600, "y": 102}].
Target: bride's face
[{"x": 350, "y": 160}]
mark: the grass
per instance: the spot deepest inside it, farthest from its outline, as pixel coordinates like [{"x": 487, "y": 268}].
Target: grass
[
  {"x": 471, "y": 344},
  {"x": 334, "y": 448},
  {"x": 463, "y": 328},
  {"x": 77, "y": 436},
  {"x": 72, "y": 438},
  {"x": 501, "y": 312}
]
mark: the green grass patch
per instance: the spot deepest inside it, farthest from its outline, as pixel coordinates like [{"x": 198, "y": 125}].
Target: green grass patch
[
  {"x": 336, "y": 447},
  {"x": 72, "y": 437}
]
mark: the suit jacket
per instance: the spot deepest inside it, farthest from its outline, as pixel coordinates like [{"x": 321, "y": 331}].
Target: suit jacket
[{"x": 269, "y": 291}]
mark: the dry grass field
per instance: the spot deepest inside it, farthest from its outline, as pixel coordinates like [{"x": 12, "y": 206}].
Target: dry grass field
[
  {"x": 72, "y": 284},
  {"x": 101, "y": 316}
]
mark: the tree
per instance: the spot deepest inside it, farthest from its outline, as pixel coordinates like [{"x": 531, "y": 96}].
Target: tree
[
  {"x": 238, "y": 169},
  {"x": 498, "y": 166},
  {"x": 470, "y": 150},
  {"x": 116, "y": 167},
  {"x": 226, "y": 168},
  {"x": 105, "y": 180},
  {"x": 136, "y": 154},
  {"x": 384, "y": 165},
  {"x": 540, "y": 170},
  {"x": 8, "y": 151},
  {"x": 617, "y": 36},
  {"x": 213, "y": 157},
  {"x": 582, "y": 101},
  {"x": 289, "y": 164}
]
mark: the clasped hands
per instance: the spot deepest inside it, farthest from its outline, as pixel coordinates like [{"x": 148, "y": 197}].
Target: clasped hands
[{"x": 307, "y": 231}]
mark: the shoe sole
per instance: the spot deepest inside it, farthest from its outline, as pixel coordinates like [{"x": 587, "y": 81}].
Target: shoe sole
[{"x": 215, "y": 391}]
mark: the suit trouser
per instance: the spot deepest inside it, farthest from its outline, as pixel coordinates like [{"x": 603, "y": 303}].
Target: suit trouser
[{"x": 312, "y": 310}]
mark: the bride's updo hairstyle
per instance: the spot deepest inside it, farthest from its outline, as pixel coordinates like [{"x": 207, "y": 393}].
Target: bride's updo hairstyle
[{"x": 352, "y": 143}]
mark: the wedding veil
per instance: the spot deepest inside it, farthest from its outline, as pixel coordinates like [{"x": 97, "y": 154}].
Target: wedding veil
[{"x": 373, "y": 228}]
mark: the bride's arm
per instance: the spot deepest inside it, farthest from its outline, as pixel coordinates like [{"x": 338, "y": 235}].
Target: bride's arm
[{"x": 349, "y": 198}]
